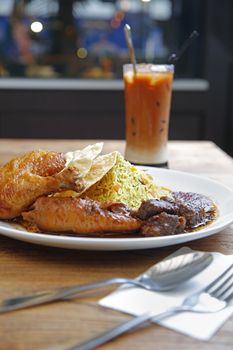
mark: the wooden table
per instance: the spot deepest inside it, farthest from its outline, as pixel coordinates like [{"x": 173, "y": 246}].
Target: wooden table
[{"x": 25, "y": 267}]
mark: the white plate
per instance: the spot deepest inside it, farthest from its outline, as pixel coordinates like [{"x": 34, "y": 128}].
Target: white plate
[{"x": 175, "y": 180}]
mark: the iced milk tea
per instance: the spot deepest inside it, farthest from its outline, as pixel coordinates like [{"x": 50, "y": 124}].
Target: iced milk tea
[{"x": 147, "y": 108}]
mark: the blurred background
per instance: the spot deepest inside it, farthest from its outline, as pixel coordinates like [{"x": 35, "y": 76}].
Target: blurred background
[{"x": 61, "y": 66}]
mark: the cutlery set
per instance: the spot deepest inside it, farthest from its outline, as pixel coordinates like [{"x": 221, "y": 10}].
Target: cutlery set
[
  {"x": 163, "y": 276},
  {"x": 213, "y": 298}
]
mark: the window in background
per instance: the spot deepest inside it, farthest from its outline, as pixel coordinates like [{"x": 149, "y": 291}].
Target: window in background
[{"x": 85, "y": 39}]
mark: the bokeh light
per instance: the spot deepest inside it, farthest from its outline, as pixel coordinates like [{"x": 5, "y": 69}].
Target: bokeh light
[
  {"x": 82, "y": 52},
  {"x": 36, "y": 27}
]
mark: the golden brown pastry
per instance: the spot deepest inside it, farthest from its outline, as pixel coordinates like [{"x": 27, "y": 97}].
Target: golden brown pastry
[
  {"x": 77, "y": 215},
  {"x": 25, "y": 178}
]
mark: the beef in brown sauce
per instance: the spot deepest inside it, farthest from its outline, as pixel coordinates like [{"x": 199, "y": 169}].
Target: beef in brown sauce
[
  {"x": 163, "y": 224},
  {"x": 184, "y": 211},
  {"x": 194, "y": 207},
  {"x": 156, "y": 206}
]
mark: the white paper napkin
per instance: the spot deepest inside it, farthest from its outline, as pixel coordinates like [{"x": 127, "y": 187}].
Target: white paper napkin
[{"x": 136, "y": 301}]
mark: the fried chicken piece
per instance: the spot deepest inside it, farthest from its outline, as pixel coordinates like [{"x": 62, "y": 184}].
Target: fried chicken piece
[
  {"x": 77, "y": 215},
  {"x": 25, "y": 178}
]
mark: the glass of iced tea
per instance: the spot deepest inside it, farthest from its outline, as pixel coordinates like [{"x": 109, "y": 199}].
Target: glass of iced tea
[{"x": 147, "y": 110}]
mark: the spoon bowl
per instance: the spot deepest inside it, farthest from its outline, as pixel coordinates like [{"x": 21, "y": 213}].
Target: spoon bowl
[{"x": 169, "y": 273}]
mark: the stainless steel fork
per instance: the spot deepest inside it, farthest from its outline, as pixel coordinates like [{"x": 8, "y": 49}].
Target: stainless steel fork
[{"x": 213, "y": 298}]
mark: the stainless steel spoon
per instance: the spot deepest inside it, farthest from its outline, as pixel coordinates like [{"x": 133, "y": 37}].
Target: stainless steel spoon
[{"x": 160, "y": 277}]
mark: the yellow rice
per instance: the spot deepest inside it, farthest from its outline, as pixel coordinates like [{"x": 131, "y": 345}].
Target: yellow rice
[{"x": 126, "y": 184}]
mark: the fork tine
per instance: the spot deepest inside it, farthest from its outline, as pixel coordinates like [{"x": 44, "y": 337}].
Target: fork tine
[
  {"x": 228, "y": 298},
  {"x": 226, "y": 289},
  {"x": 223, "y": 290},
  {"x": 212, "y": 284},
  {"x": 220, "y": 289}
]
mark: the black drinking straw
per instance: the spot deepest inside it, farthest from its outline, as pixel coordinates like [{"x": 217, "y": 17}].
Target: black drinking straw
[{"x": 176, "y": 56}]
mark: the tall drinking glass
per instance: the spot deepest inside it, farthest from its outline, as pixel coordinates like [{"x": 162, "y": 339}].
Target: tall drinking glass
[{"x": 147, "y": 112}]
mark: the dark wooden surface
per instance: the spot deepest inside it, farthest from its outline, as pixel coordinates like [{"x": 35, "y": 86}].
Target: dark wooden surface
[{"x": 25, "y": 268}]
